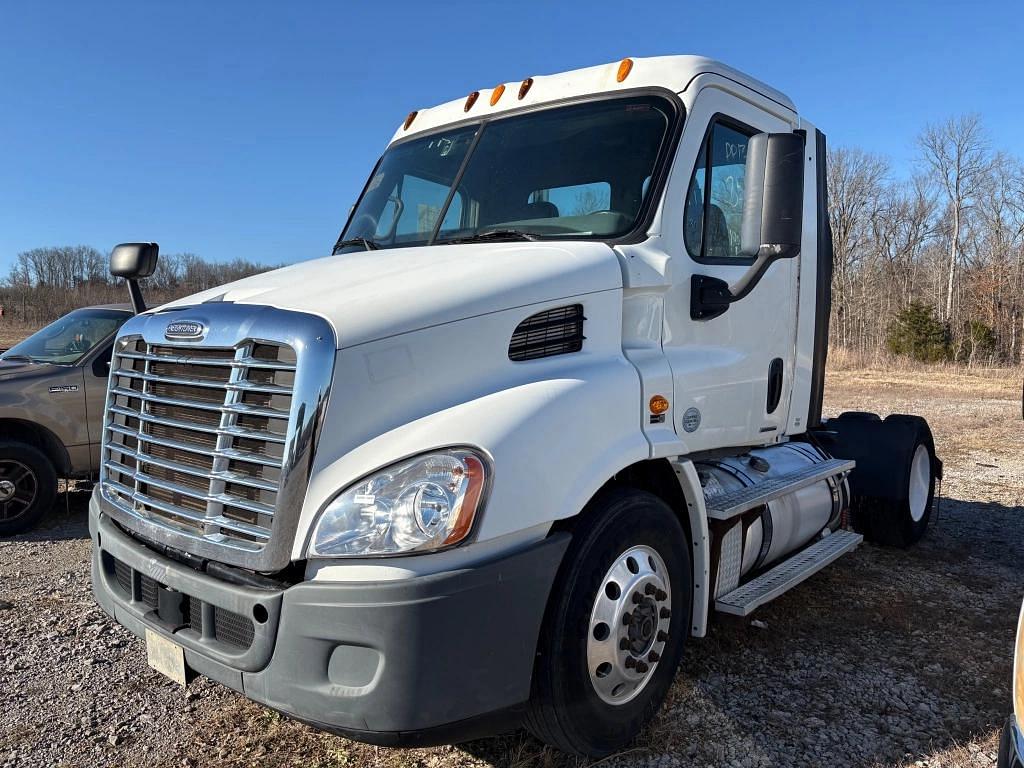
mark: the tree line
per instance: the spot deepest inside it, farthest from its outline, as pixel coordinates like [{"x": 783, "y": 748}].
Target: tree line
[
  {"x": 930, "y": 266},
  {"x": 45, "y": 283}
]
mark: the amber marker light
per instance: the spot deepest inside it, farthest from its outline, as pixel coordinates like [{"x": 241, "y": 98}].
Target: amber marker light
[
  {"x": 409, "y": 119},
  {"x": 496, "y": 94},
  {"x": 525, "y": 87},
  {"x": 624, "y": 67},
  {"x": 659, "y": 404},
  {"x": 471, "y": 100},
  {"x": 467, "y": 510}
]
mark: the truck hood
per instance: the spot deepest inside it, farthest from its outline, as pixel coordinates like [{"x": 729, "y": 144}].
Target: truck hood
[
  {"x": 370, "y": 295},
  {"x": 19, "y": 369}
]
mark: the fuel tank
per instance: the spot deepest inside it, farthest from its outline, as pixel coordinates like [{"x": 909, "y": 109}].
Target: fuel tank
[{"x": 767, "y": 534}]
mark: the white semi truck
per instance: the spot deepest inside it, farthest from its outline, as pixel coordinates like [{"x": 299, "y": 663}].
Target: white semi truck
[{"x": 554, "y": 402}]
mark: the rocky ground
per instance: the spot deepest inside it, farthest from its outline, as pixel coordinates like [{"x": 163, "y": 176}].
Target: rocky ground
[{"x": 888, "y": 658}]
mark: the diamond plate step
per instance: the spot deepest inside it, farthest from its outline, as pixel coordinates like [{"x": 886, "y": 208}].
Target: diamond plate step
[
  {"x": 728, "y": 505},
  {"x": 788, "y": 573}
]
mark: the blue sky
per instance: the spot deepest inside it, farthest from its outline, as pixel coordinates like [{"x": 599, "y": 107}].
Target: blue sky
[{"x": 247, "y": 129}]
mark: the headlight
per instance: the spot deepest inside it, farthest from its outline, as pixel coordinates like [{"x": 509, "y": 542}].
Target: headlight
[{"x": 423, "y": 503}]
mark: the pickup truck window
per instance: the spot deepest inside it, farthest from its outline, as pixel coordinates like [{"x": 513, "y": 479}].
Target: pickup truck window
[
  {"x": 65, "y": 341},
  {"x": 574, "y": 171},
  {"x": 714, "y": 201}
]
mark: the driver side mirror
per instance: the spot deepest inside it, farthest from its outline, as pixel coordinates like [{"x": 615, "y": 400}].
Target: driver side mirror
[
  {"x": 772, "y": 226},
  {"x": 134, "y": 261}
]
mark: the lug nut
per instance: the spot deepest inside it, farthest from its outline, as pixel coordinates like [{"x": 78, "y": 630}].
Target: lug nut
[
  {"x": 624, "y": 644},
  {"x": 641, "y": 667},
  {"x": 664, "y": 613},
  {"x": 626, "y": 618},
  {"x": 662, "y": 636},
  {"x": 650, "y": 589},
  {"x": 637, "y": 598},
  {"x": 653, "y": 657},
  {"x": 630, "y": 662},
  {"x": 660, "y": 595}
]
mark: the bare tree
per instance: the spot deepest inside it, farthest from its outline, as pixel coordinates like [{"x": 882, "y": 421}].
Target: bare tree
[
  {"x": 956, "y": 154},
  {"x": 855, "y": 183}
]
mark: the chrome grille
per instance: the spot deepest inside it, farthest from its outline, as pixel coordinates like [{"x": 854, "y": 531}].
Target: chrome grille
[
  {"x": 208, "y": 442},
  {"x": 195, "y": 436}
]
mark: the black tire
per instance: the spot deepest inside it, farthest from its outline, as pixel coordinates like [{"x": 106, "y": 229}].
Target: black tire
[
  {"x": 25, "y": 467},
  {"x": 565, "y": 710},
  {"x": 902, "y": 521}
]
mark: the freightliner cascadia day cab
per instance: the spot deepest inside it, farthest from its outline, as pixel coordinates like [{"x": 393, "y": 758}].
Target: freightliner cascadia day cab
[{"x": 553, "y": 402}]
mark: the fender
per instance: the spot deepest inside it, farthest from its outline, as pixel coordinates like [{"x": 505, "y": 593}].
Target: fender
[
  {"x": 686, "y": 473},
  {"x": 556, "y": 429}
]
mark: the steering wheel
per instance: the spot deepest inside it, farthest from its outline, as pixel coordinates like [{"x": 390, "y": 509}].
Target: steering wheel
[{"x": 356, "y": 225}]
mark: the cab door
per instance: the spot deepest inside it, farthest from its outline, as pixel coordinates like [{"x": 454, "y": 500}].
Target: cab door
[{"x": 732, "y": 374}]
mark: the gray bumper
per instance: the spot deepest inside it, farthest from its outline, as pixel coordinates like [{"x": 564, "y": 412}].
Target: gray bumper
[
  {"x": 430, "y": 659},
  {"x": 1011, "y": 746}
]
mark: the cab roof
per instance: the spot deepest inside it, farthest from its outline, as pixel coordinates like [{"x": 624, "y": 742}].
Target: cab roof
[{"x": 671, "y": 72}]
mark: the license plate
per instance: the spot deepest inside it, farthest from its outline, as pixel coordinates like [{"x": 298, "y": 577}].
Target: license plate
[{"x": 166, "y": 657}]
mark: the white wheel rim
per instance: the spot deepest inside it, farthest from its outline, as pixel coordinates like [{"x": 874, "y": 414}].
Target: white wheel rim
[
  {"x": 629, "y": 625},
  {"x": 920, "y": 483}
]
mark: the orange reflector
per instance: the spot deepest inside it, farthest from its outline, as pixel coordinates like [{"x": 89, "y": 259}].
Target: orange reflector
[
  {"x": 659, "y": 404},
  {"x": 497, "y": 94},
  {"x": 624, "y": 66},
  {"x": 471, "y": 100},
  {"x": 409, "y": 119},
  {"x": 525, "y": 87}
]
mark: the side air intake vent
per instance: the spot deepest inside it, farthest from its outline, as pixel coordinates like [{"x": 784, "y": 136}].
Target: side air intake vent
[{"x": 552, "y": 332}]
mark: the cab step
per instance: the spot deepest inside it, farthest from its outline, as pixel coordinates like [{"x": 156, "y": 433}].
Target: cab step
[
  {"x": 727, "y": 505},
  {"x": 787, "y": 574}
]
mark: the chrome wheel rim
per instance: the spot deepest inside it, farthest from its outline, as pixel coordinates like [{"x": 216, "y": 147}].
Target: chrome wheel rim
[
  {"x": 17, "y": 489},
  {"x": 629, "y": 625},
  {"x": 920, "y": 483}
]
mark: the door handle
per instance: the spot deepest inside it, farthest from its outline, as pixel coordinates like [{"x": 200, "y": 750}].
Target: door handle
[{"x": 774, "y": 384}]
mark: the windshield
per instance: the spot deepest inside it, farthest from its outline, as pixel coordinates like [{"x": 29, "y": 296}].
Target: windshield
[
  {"x": 579, "y": 171},
  {"x": 65, "y": 341}
]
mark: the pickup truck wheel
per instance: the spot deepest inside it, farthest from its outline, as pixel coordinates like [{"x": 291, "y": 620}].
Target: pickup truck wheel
[
  {"x": 615, "y": 625},
  {"x": 28, "y": 486}
]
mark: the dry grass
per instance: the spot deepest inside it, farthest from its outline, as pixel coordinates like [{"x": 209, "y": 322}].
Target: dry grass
[{"x": 13, "y": 331}]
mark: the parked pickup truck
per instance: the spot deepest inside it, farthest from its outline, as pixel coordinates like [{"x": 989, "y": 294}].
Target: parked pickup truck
[
  {"x": 52, "y": 391},
  {"x": 553, "y": 403}
]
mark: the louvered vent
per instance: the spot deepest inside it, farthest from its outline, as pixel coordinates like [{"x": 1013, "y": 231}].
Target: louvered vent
[{"x": 552, "y": 332}]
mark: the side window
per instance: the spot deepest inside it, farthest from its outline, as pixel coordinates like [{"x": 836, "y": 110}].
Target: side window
[
  {"x": 714, "y": 201},
  {"x": 416, "y": 202},
  {"x": 577, "y": 200}
]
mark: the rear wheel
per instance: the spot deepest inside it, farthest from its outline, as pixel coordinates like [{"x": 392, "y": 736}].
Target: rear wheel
[
  {"x": 28, "y": 486},
  {"x": 902, "y": 520},
  {"x": 615, "y": 626}
]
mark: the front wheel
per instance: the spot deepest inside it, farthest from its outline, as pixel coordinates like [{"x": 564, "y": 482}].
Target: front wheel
[
  {"x": 28, "y": 486},
  {"x": 615, "y": 626}
]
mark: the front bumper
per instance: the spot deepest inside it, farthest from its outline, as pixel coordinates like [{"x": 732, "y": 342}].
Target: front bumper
[
  {"x": 430, "y": 659},
  {"x": 1011, "y": 746}
]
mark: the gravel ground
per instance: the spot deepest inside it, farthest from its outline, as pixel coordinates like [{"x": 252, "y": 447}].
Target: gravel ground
[{"x": 886, "y": 658}]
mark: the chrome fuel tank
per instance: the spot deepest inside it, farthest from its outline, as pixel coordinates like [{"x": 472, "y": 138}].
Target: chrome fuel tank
[{"x": 781, "y": 526}]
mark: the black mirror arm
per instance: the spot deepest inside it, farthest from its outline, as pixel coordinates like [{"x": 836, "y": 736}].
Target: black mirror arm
[
  {"x": 135, "y": 292},
  {"x": 766, "y": 256},
  {"x": 711, "y": 297}
]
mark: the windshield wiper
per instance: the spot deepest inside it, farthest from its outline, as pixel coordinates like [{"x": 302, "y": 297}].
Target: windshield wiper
[
  {"x": 494, "y": 234},
  {"x": 18, "y": 357},
  {"x": 365, "y": 242}
]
